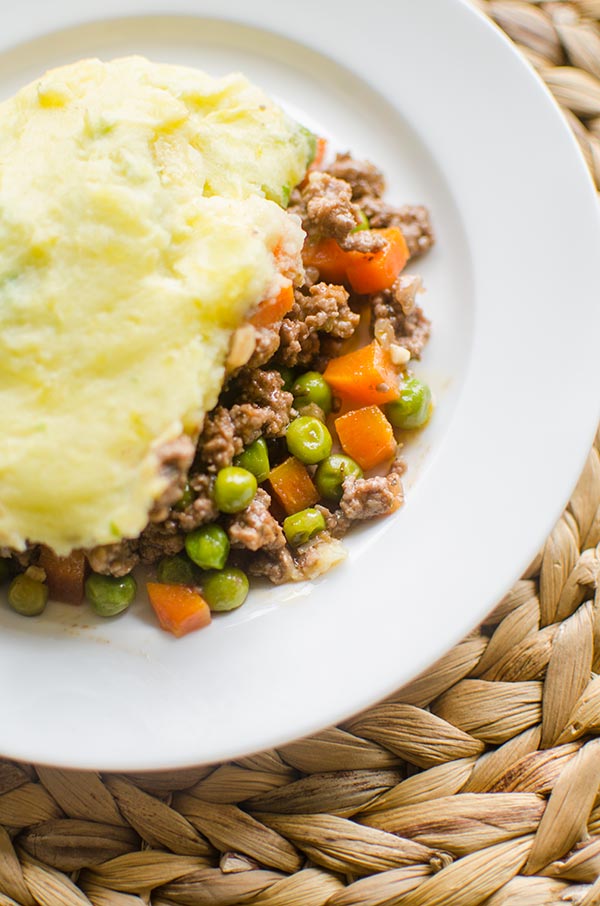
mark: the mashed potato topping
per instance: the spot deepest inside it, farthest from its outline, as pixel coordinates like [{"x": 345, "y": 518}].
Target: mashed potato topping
[{"x": 140, "y": 222}]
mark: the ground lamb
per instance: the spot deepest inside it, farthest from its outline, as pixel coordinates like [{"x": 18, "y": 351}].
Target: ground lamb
[{"x": 255, "y": 528}]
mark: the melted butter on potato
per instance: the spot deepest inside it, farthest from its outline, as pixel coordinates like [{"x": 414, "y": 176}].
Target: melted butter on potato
[{"x": 139, "y": 220}]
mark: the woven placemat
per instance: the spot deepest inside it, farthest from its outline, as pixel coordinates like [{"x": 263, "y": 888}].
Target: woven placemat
[{"x": 476, "y": 784}]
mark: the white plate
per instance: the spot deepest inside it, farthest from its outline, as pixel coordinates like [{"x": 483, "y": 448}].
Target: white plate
[{"x": 436, "y": 96}]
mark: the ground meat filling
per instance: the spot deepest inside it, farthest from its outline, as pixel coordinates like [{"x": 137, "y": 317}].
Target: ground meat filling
[
  {"x": 202, "y": 509},
  {"x": 365, "y": 498},
  {"x": 175, "y": 459},
  {"x": 255, "y": 528},
  {"x": 255, "y": 404},
  {"x": 326, "y": 207},
  {"x": 157, "y": 541},
  {"x": 363, "y": 177},
  {"x": 264, "y": 389},
  {"x": 367, "y": 186},
  {"x": 322, "y": 310},
  {"x": 327, "y": 210},
  {"x": 395, "y": 316},
  {"x": 267, "y": 344},
  {"x": 264, "y": 407},
  {"x": 336, "y": 523},
  {"x": 308, "y": 562},
  {"x": 115, "y": 559},
  {"x": 219, "y": 441},
  {"x": 413, "y": 220},
  {"x": 22, "y": 559},
  {"x": 325, "y": 308}
]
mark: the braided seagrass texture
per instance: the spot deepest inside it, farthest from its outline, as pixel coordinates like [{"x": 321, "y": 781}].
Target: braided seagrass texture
[{"x": 476, "y": 785}]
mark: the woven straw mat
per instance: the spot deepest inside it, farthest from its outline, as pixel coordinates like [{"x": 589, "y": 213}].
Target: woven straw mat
[{"x": 476, "y": 784}]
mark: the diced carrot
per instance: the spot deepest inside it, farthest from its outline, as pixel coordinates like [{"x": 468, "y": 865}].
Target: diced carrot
[
  {"x": 371, "y": 273},
  {"x": 293, "y": 486},
  {"x": 179, "y": 609},
  {"x": 319, "y": 154},
  {"x": 365, "y": 272},
  {"x": 366, "y": 436},
  {"x": 330, "y": 260},
  {"x": 272, "y": 310},
  {"x": 65, "y": 575},
  {"x": 364, "y": 377}
]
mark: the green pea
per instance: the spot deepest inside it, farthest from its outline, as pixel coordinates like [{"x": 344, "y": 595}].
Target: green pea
[
  {"x": 312, "y": 388},
  {"x": 413, "y": 407},
  {"x": 332, "y": 473},
  {"x": 363, "y": 223},
  {"x": 176, "y": 571},
  {"x": 303, "y": 526},
  {"x": 27, "y": 596},
  {"x": 208, "y": 546},
  {"x": 110, "y": 595},
  {"x": 186, "y": 498},
  {"x": 225, "y": 589},
  {"x": 234, "y": 489},
  {"x": 255, "y": 459},
  {"x": 6, "y": 569},
  {"x": 308, "y": 439}
]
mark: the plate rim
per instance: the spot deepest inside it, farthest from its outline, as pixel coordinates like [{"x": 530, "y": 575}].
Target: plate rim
[{"x": 586, "y": 433}]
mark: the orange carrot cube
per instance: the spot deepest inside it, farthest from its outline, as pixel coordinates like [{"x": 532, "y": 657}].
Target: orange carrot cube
[
  {"x": 293, "y": 486},
  {"x": 366, "y": 436},
  {"x": 272, "y": 310},
  {"x": 373, "y": 272},
  {"x": 364, "y": 377},
  {"x": 179, "y": 609}
]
